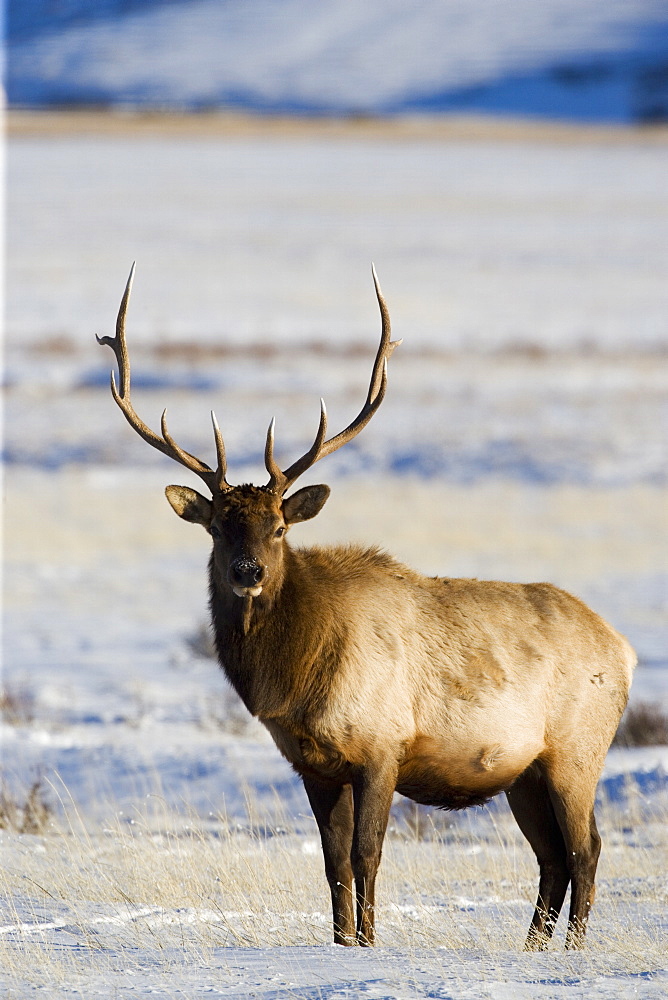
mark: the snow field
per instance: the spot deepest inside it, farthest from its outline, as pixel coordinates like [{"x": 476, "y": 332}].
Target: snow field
[{"x": 522, "y": 438}]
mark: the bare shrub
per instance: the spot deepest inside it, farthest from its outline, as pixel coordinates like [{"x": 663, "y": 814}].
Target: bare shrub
[
  {"x": 642, "y": 725},
  {"x": 59, "y": 345},
  {"x": 17, "y": 704},
  {"x": 31, "y": 815},
  {"x": 200, "y": 643},
  {"x": 228, "y": 713},
  {"x": 415, "y": 821}
]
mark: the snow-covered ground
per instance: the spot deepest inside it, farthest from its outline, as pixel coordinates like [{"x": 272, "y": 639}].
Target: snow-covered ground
[{"x": 523, "y": 437}]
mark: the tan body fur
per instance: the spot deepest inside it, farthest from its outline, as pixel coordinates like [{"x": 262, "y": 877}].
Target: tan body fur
[
  {"x": 461, "y": 688},
  {"x": 461, "y": 681},
  {"x": 440, "y": 678}
]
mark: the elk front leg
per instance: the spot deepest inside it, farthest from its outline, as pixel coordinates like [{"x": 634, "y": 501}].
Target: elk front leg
[
  {"x": 373, "y": 788},
  {"x": 332, "y": 807}
]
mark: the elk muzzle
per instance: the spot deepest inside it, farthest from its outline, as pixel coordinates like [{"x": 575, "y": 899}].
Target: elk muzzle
[{"x": 246, "y": 576}]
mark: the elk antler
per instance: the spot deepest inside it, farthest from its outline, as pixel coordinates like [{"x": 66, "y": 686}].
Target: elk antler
[
  {"x": 166, "y": 444},
  {"x": 280, "y": 482}
]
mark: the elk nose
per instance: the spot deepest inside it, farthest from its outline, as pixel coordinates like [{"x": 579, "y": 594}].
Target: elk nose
[{"x": 246, "y": 573}]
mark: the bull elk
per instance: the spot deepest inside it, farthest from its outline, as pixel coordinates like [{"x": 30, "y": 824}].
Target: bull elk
[{"x": 372, "y": 678}]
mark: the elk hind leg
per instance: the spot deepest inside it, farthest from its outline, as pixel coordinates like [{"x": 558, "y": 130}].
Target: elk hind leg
[
  {"x": 531, "y": 805},
  {"x": 583, "y": 889},
  {"x": 332, "y": 807},
  {"x": 572, "y": 792}
]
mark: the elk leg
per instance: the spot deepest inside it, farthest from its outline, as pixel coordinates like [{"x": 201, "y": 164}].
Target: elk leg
[
  {"x": 573, "y": 800},
  {"x": 530, "y": 802},
  {"x": 583, "y": 888},
  {"x": 373, "y": 788},
  {"x": 332, "y": 807}
]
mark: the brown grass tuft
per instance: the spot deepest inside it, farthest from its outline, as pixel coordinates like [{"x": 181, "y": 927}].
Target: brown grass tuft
[
  {"x": 642, "y": 725},
  {"x": 30, "y": 816}
]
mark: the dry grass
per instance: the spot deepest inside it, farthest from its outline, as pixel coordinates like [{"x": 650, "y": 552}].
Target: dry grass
[{"x": 162, "y": 885}]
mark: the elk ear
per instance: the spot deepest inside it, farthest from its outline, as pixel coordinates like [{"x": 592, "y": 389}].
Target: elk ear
[
  {"x": 305, "y": 503},
  {"x": 189, "y": 504}
]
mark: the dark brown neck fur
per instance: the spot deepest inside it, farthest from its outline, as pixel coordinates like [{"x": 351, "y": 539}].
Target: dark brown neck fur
[{"x": 289, "y": 654}]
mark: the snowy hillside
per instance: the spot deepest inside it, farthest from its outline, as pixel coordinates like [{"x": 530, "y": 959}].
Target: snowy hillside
[{"x": 605, "y": 60}]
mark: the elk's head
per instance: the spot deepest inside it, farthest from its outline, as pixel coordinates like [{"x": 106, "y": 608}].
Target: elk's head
[{"x": 248, "y": 523}]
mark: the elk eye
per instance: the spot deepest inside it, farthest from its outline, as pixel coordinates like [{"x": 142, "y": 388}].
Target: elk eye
[
  {"x": 215, "y": 532},
  {"x": 279, "y": 532}
]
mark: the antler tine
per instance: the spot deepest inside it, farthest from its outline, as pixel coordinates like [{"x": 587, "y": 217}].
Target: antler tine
[
  {"x": 281, "y": 481},
  {"x": 386, "y": 347},
  {"x": 175, "y": 451},
  {"x": 277, "y": 482},
  {"x": 221, "y": 471},
  {"x": 166, "y": 443},
  {"x": 306, "y": 461},
  {"x": 118, "y": 345},
  {"x": 378, "y": 383}
]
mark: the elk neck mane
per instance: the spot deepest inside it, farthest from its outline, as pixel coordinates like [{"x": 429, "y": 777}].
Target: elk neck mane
[{"x": 297, "y": 633}]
